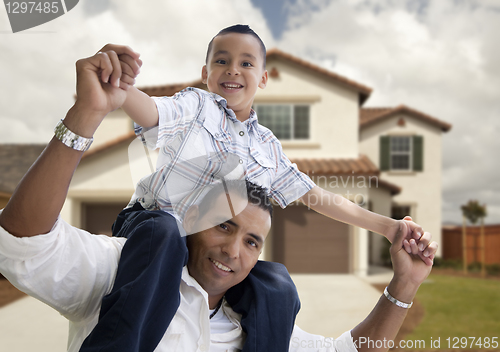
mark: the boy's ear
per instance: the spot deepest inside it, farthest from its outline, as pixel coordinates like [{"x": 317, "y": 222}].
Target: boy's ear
[
  {"x": 263, "y": 80},
  {"x": 204, "y": 74}
]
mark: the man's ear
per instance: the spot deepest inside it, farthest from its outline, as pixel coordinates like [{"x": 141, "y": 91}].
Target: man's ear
[
  {"x": 263, "y": 80},
  {"x": 204, "y": 74},
  {"x": 190, "y": 219}
]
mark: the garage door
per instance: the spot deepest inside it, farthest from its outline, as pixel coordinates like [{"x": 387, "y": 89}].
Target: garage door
[
  {"x": 308, "y": 242},
  {"x": 99, "y": 217}
]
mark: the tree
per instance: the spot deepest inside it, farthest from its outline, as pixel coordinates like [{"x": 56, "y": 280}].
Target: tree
[{"x": 473, "y": 211}]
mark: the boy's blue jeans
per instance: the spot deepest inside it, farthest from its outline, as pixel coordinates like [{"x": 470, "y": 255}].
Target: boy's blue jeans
[{"x": 145, "y": 295}]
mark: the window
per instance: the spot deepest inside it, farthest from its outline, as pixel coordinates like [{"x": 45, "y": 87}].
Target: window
[
  {"x": 401, "y": 153},
  {"x": 288, "y": 122},
  {"x": 400, "y": 211}
]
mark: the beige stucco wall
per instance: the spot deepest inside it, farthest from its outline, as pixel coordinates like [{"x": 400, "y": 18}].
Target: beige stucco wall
[
  {"x": 380, "y": 203},
  {"x": 420, "y": 190},
  {"x": 104, "y": 177},
  {"x": 116, "y": 124},
  {"x": 334, "y": 111}
]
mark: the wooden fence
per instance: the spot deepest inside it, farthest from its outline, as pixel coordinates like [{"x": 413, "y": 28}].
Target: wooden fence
[{"x": 452, "y": 243}]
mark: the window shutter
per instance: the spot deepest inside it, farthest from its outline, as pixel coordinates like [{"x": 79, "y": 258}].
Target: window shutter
[
  {"x": 418, "y": 153},
  {"x": 385, "y": 153}
]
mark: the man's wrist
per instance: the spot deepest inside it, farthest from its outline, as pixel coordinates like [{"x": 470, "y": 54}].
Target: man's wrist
[
  {"x": 402, "y": 290},
  {"x": 83, "y": 122}
]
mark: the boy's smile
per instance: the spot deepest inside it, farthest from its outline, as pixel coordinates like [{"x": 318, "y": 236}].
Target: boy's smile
[{"x": 235, "y": 70}]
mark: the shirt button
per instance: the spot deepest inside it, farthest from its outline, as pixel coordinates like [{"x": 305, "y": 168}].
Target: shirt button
[
  {"x": 242, "y": 133},
  {"x": 217, "y": 135},
  {"x": 241, "y": 161}
]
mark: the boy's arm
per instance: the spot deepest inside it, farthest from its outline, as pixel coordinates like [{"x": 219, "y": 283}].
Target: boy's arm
[
  {"x": 141, "y": 108},
  {"x": 339, "y": 208}
]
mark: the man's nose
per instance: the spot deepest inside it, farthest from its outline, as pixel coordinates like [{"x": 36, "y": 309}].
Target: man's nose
[{"x": 231, "y": 247}]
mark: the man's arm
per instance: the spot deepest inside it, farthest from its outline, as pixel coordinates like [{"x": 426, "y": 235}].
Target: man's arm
[
  {"x": 386, "y": 318},
  {"x": 38, "y": 199}
]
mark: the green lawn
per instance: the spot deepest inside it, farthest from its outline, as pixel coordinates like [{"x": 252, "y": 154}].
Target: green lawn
[{"x": 458, "y": 308}]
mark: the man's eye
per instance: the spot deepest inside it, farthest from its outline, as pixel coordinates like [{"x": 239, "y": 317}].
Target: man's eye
[
  {"x": 224, "y": 226},
  {"x": 252, "y": 243}
]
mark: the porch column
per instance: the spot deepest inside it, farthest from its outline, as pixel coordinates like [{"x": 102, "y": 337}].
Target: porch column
[{"x": 361, "y": 267}]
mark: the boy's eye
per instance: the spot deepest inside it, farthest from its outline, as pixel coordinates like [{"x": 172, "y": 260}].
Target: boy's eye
[
  {"x": 247, "y": 64},
  {"x": 220, "y": 61}
]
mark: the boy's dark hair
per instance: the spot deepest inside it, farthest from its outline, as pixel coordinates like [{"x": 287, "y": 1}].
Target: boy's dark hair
[
  {"x": 242, "y": 29},
  {"x": 255, "y": 194}
]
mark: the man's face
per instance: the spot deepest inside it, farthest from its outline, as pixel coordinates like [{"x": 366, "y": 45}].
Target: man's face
[
  {"x": 224, "y": 255},
  {"x": 235, "y": 70}
]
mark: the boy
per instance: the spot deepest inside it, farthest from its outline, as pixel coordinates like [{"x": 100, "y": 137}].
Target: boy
[{"x": 224, "y": 122}]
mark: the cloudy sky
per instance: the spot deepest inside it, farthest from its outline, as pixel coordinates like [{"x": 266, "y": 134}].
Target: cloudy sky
[{"x": 439, "y": 57}]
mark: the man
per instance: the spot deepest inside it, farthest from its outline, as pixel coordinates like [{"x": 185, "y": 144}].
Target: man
[{"x": 220, "y": 257}]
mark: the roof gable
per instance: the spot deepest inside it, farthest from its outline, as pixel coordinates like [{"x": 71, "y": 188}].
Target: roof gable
[
  {"x": 370, "y": 116},
  {"x": 364, "y": 91}
]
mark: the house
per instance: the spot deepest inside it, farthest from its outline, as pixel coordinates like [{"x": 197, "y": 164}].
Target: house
[{"x": 387, "y": 160}]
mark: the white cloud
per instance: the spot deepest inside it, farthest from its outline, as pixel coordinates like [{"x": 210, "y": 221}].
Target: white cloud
[
  {"x": 441, "y": 58},
  {"x": 37, "y": 74}
]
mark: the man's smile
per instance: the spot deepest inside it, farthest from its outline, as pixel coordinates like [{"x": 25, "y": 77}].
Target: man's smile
[{"x": 221, "y": 266}]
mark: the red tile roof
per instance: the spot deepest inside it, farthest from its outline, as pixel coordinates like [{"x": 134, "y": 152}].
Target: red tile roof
[
  {"x": 127, "y": 138},
  {"x": 361, "y": 166},
  {"x": 369, "y": 116},
  {"x": 364, "y": 91},
  {"x": 335, "y": 166}
]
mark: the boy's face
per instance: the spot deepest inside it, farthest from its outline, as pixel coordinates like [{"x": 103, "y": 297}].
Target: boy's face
[{"x": 235, "y": 70}]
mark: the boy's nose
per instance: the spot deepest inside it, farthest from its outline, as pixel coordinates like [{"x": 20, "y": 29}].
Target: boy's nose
[{"x": 232, "y": 71}]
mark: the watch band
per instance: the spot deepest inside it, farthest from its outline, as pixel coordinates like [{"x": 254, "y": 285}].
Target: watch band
[
  {"x": 71, "y": 139},
  {"x": 396, "y": 301}
]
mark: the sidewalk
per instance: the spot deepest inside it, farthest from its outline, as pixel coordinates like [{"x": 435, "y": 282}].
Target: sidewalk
[
  {"x": 28, "y": 325},
  {"x": 332, "y": 304}
]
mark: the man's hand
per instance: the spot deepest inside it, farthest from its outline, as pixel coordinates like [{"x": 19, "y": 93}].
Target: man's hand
[
  {"x": 413, "y": 234},
  {"x": 102, "y": 85}
]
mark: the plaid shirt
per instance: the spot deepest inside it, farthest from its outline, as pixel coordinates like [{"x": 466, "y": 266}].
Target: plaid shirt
[{"x": 201, "y": 141}]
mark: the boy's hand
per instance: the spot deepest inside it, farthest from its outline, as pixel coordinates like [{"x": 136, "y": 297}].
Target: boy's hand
[
  {"x": 416, "y": 241},
  {"x": 129, "y": 61}
]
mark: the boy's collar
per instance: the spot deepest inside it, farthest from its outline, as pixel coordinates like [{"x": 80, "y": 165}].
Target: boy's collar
[{"x": 252, "y": 119}]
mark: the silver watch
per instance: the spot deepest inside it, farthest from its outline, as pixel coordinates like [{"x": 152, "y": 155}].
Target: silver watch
[{"x": 71, "y": 139}]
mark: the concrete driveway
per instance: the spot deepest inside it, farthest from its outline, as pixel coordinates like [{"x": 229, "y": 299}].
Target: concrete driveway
[{"x": 331, "y": 304}]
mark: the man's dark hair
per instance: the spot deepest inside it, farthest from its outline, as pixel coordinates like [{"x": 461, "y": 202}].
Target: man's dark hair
[
  {"x": 242, "y": 29},
  {"x": 255, "y": 194}
]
